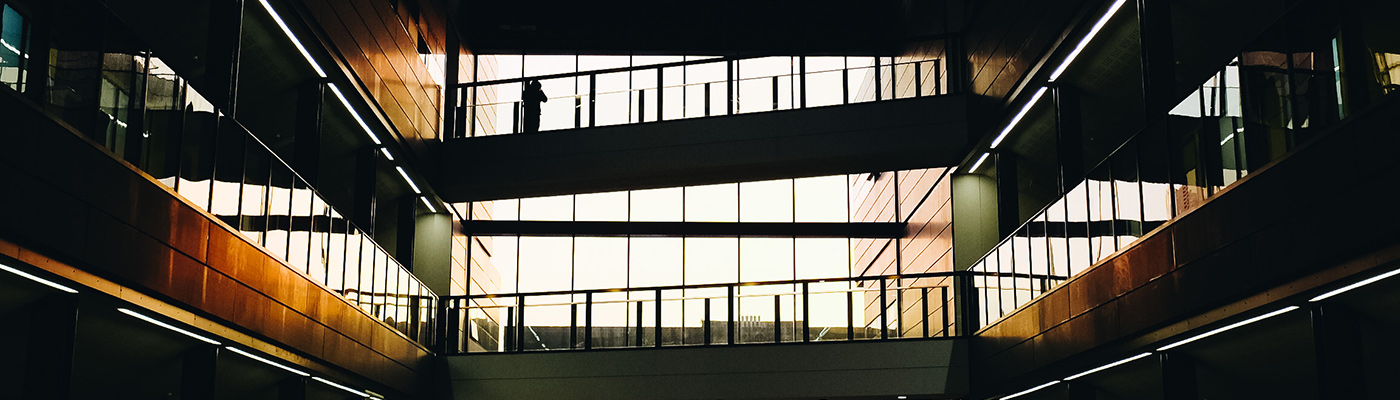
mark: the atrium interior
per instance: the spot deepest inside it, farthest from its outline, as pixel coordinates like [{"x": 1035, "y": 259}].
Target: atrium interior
[{"x": 773, "y": 200}]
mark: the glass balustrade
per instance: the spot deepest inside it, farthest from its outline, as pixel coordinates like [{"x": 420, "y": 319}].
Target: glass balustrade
[
  {"x": 662, "y": 93},
  {"x": 155, "y": 120},
  {"x": 794, "y": 311}
]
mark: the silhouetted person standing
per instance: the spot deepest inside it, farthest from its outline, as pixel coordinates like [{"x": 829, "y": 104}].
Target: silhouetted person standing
[{"x": 532, "y": 97}]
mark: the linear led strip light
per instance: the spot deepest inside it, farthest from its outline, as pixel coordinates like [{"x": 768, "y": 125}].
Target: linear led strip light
[
  {"x": 1017, "y": 119},
  {"x": 168, "y": 326},
  {"x": 31, "y": 277},
  {"x": 1094, "y": 31},
  {"x": 1029, "y": 391},
  {"x": 1110, "y": 365},
  {"x": 409, "y": 180},
  {"x": 342, "y": 387},
  {"x": 1347, "y": 288},
  {"x": 428, "y": 203},
  {"x": 320, "y": 72},
  {"x": 978, "y": 163},
  {"x": 296, "y": 42},
  {"x": 1226, "y": 328},
  {"x": 267, "y": 361},
  {"x": 1103, "y": 20}
]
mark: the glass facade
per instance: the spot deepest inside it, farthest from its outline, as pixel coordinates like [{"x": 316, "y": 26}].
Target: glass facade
[
  {"x": 598, "y": 292},
  {"x": 124, "y": 97},
  {"x": 1282, "y": 90},
  {"x": 585, "y": 91}
]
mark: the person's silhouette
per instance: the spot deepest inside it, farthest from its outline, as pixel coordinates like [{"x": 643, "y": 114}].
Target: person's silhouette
[{"x": 531, "y": 99}]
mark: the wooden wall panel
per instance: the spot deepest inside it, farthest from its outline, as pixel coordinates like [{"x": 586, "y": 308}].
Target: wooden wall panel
[
  {"x": 1005, "y": 40},
  {"x": 108, "y": 218},
  {"x": 380, "y": 48}
]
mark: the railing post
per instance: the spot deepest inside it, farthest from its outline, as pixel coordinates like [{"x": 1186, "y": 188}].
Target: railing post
[
  {"x": 471, "y": 119},
  {"x": 923, "y": 292},
  {"x": 707, "y": 98},
  {"x": 588, "y": 321},
  {"x": 729, "y": 107},
  {"x": 884, "y": 311},
  {"x": 578, "y": 112},
  {"x": 918, "y": 79},
  {"x": 775, "y": 93},
  {"x": 806, "y": 308},
  {"x": 509, "y": 338},
  {"x": 660, "y": 96},
  {"x": 519, "y": 116},
  {"x": 846, "y": 85},
  {"x": 730, "y": 324},
  {"x": 777, "y": 318},
  {"x": 850, "y": 315},
  {"x": 639, "y": 323},
  {"x": 943, "y": 293},
  {"x": 658, "y": 316},
  {"x": 448, "y": 327},
  {"x": 592, "y": 100},
  {"x": 520, "y": 325},
  {"x": 573, "y": 324},
  {"x": 937, "y": 77},
  {"x": 708, "y": 321},
  {"x": 641, "y": 106},
  {"x": 802, "y": 83},
  {"x": 879, "y": 94}
]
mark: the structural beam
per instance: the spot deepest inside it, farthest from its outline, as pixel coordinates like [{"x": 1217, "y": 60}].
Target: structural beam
[
  {"x": 882, "y": 230},
  {"x": 923, "y": 132}
]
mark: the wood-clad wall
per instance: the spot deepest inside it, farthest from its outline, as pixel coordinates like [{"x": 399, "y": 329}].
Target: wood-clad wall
[
  {"x": 379, "y": 43},
  {"x": 924, "y": 199},
  {"x": 86, "y": 209},
  {"x": 1005, "y": 39}
]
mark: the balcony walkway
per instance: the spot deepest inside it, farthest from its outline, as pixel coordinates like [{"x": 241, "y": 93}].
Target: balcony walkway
[{"x": 922, "y": 132}]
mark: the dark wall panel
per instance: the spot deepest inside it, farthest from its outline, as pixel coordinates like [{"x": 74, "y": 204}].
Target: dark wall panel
[{"x": 1262, "y": 235}]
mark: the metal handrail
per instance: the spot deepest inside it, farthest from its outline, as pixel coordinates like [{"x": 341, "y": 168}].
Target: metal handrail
[
  {"x": 464, "y": 111},
  {"x": 506, "y": 329},
  {"x": 692, "y": 84},
  {"x": 711, "y": 285}
]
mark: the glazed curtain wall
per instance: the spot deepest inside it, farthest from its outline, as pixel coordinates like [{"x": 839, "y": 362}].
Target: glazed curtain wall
[
  {"x": 1283, "y": 89},
  {"x": 120, "y": 94},
  {"x": 505, "y": 265}
]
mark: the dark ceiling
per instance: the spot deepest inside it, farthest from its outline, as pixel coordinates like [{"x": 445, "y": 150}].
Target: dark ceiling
[{"x": 785, "y": 27}]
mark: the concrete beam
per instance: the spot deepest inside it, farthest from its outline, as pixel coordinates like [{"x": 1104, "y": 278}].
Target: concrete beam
[{"x": 914, "y": 133}]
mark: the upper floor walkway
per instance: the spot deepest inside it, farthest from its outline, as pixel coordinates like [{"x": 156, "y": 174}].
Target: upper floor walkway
[{"x": 661, "y": 126}]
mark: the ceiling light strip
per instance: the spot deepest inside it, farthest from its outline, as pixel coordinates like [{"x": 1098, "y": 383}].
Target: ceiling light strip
[
  {"x": 293, "y": 37},
  {"x": 1103, "y": 20},
  {"x": 1346, "y": 288},
  {"x": 46, "y": 282},
  {"x": 1017, "y": 119},
  {"x": 1226, "y": 328},
  {"x": 1028, "y": 391},
  {"x": 428, "y": 203},
  {"x": 341, "y": 387},
  {"x": 343, "y": 101},
  {"x": 1111, "y": 365},
  {"x": 267, "y": 361},
  {"x": 168, "y": 326},
  {"x": 973, "y": 170},
  {"x": 407, "y": 179}
]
